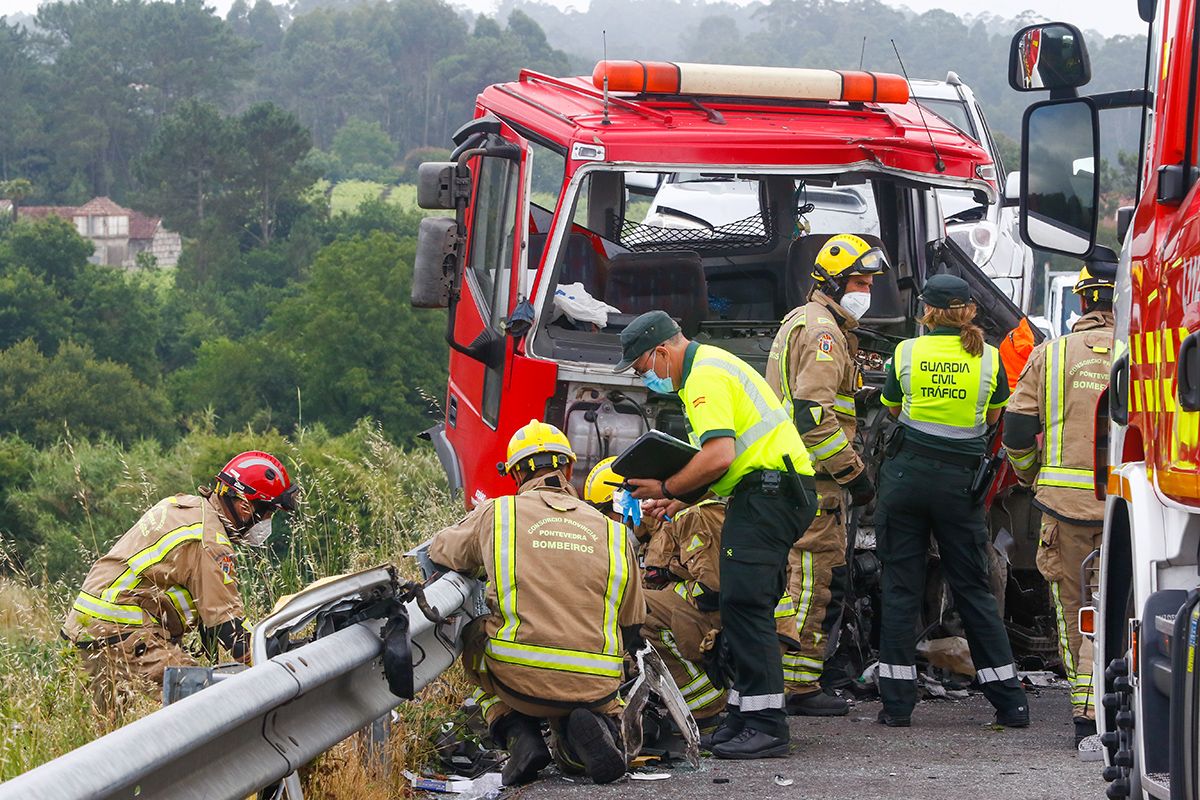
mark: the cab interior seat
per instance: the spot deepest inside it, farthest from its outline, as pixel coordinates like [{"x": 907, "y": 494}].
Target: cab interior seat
[
  {"x": 744, "y": 292},
  {"x": 887, "y": 306},
  {"x": 672, "y": 280},
  {"x": 580, "y": 263}
]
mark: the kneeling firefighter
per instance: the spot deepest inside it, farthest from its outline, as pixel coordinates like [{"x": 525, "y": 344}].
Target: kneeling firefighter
[
  {"x": 566, "y": 600},
  {"x": 171, "y": 572}
]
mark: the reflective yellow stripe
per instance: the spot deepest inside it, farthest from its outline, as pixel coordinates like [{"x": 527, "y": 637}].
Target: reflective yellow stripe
[
  {"x": 844, "y": 404},
  {"x": 111, "y": 612},
  {"x": 615, "y": 589},
  {"x": 1055, "y": 405},
  {"x": 804, "y": 601},
  {"x": 785, "y": 384},
  {"x": 791, "y": 659},
  {"x": 149, "y": 556},
  {"x": 1023, "y": 462},
  {"x": 681, "y": 589},
  {"x": 504, "y": 565},
  {"x": 555, "y": 658},
  {"x": 830, "y": 446},
  {"x": 181, "y": 598},
  {"x": 769, "y": 417},
  {"x": 785, "y": 607},
  {"x": 1066, "y": 477},
  {"x": 1064, "y": 643},
  {"x": 484, "y": 701}
]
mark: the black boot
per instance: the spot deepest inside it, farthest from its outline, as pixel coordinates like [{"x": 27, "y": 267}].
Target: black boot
[
  {"x": 1084, "y": 728},
  {"x": 527, "y": 751},
  {"x": 751, "y": 743},
  {"x": 593, "y": 738},
  {"x": 1017, "y": 717},
  {"x": 893, "y": 721},
  {"x": 725, "y": 730},
  {"x": 816, "y": 704}
]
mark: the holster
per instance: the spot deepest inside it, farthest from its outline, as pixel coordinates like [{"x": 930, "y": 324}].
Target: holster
[{"x": 894, "y": 441}]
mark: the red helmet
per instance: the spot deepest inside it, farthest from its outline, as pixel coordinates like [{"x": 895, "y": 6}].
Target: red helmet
[{"x": 260, "y": 478}]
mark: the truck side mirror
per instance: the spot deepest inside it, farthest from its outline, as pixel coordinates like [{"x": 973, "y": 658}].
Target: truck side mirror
[
  {"x": 1124, "y": 220},
  {"x": 439, "y": 184},
  {"x": 1048, "y": 56},
  {"x": 434, "y": 265},
  {"x": 1060, "y": 184}
]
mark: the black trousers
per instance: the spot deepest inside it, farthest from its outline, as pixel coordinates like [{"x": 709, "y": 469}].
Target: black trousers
[
  {"x": 918, "y": 495},
  {"x": 759, "y": 531}
]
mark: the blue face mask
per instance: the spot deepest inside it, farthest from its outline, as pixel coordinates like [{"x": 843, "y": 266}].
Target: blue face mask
[{"x": 657, "y": 384}]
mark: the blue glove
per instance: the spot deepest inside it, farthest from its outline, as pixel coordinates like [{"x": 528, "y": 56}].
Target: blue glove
[{"x": 628, "y": 507}]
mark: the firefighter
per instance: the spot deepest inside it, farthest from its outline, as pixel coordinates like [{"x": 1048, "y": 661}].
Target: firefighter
[
  {"x": 657, "y": 547},
  {"x": 750, "y": 452},
  {"x": 945, "y": 388},
  {"x": 172, "y": 571},
  {"x": 1056, "y": 397},
  {"x": 813, "y": 371},
  {"x": 566, "y": 602}
]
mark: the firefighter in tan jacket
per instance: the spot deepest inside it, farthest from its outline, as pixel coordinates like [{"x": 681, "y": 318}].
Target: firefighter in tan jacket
[
  {"x": 566, "y": 602},
  {"x": 812, "y": 369},
  {"x": 174, "y": 570},
  {"x": 1056, "y": 397},
  {"x": 683, "y": 617}
]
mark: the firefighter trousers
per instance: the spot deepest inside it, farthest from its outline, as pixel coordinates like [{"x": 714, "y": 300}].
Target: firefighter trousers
[
  {"x": 495, "y": 700},
  {"x": 132, "y": 666},
  {"x": 918, "y": 495},
  {"x": 678, "y": 630},
  {"x": 759, "y": 531},
  {"x": 1060, "y": 556},
  {"x": 817, "y": 586}
]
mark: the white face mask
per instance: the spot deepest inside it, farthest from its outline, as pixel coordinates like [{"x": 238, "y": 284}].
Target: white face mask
[
  {"x": 256, "y": 535},
  {"x": 856, "y": 303}
]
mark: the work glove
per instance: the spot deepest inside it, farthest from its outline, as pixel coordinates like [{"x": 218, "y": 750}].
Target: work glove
[
  {"x": 632, "y": 637},
  {"x": 658, "y": 577},
  {"x": 860, "y": 489},
  {"x": 706, "y": 599}
]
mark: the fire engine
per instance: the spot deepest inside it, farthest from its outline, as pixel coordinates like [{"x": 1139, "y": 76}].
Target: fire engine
[{"x": 1146, "y": 612}]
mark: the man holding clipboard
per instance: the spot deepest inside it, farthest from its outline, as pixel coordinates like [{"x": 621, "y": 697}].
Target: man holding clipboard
[{"x": 751, "y": 452}]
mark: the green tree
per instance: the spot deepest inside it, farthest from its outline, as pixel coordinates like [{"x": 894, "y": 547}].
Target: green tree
[
  {"x": 44, "y": 398},
  {"x": 362, "y": 142},
  {"x": 50, "y": 248},
  {"x": 188, "y": 165},
  {"x": 16, "y": 190},
  {"x": 272, "y": 147}
]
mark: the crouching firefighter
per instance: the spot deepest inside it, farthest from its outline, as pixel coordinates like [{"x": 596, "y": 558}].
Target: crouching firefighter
[
  {"x": 1056, "y": 396},
  {"x": 173, "y": 570},
  {"x": 566, "y": 602},
  {"x": 813, "y": 371}
]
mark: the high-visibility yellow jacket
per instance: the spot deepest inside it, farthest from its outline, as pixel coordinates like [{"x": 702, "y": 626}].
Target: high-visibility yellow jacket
[
  {"x": 1060, "y": 387},
  {"x": 562, "y": 582}
]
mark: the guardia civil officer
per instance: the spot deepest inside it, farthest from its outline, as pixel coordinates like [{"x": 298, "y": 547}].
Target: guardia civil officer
[
  {"x": 751, "y": 452},
  {"x": 1056, "y": 396},
  {"x": 945, "y": 388}
]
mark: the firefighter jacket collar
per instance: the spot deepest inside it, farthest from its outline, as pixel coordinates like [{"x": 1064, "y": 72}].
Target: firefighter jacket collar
[
  {"x": 557, "y": 491},
  {"x": 1093, "y": 320},
  {"x": 845, "y": 321}
]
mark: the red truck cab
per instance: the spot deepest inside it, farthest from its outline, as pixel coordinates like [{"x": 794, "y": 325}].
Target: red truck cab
[{"x": 551, "y": 251}]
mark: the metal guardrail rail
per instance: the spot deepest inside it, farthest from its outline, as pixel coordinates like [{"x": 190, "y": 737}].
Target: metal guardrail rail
[{"x": 259, "y": 725}]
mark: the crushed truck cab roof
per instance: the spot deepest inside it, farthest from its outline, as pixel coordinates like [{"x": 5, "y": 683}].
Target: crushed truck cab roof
[{"x": 895, "y": 138}]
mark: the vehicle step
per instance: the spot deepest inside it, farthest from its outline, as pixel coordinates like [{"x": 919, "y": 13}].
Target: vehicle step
[
  {"x": 1165, "y": 624},
  {"x": 1158, "y": 784}
]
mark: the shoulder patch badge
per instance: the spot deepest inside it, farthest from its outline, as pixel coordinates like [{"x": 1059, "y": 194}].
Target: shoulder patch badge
[
  {"x": 699, "y": 401},
  {"x": 695, "y": 544},
  {"x": 225, "y": 562},
  {"x": 824, "y": 347}
]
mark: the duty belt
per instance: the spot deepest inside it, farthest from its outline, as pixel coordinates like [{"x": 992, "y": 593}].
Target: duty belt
[
  {"x": 767, "y": 477},
  {"x": 945, "y": 456}
]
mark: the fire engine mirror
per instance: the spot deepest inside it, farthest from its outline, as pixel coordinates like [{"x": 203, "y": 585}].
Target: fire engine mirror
[
  {"x": 433, "y": 268},
  {"x": 435, "y": 185},
  {"x": 1050, "y": 56},
  {"x": 1146, "y": 9},
  {"x": 1060, "y": 185}
]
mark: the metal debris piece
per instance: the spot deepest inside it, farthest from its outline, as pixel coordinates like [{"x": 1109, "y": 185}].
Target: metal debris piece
[
  {"x": 649, "y": 776},
  {"x": 653, "y": 676},
  {"x": 782, "y": 781}
]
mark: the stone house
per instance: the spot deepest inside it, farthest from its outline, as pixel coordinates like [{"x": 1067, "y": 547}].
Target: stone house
[{"x": 119, "y": 234}]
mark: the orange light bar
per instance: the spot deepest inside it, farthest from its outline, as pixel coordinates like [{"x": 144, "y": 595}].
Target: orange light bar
[{"x": 667, "y": 77}]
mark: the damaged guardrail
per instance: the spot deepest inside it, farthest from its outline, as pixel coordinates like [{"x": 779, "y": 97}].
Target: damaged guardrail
[{"x": 257, "y": 726}]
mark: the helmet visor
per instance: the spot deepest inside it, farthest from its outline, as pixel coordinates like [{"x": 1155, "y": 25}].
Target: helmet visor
[{"x": 872, "y": 262}]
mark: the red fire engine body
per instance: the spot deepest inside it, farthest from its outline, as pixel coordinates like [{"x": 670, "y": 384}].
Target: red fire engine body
[{"x": 567, "y": 193}]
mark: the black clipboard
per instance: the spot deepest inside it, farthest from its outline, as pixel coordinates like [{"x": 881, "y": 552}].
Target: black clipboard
[{"x": 654, "y": 455}]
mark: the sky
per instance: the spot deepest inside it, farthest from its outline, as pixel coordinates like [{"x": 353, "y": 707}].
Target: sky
[{"x": 1109, "y": 17}]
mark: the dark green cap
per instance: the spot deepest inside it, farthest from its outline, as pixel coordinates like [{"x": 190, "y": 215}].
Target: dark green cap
[
  {"x": 644, "y": 334},
  {"x": 946, "y": 291}
]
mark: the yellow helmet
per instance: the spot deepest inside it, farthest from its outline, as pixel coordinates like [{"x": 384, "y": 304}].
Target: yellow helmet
[
  {"x": 599, "y": 486},
  {"x": 536, "y": 446},
  {"x": 844, "y": 255}
]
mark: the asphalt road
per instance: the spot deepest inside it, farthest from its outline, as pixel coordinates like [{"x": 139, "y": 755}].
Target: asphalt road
[{"x": 951, "y": 752}]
